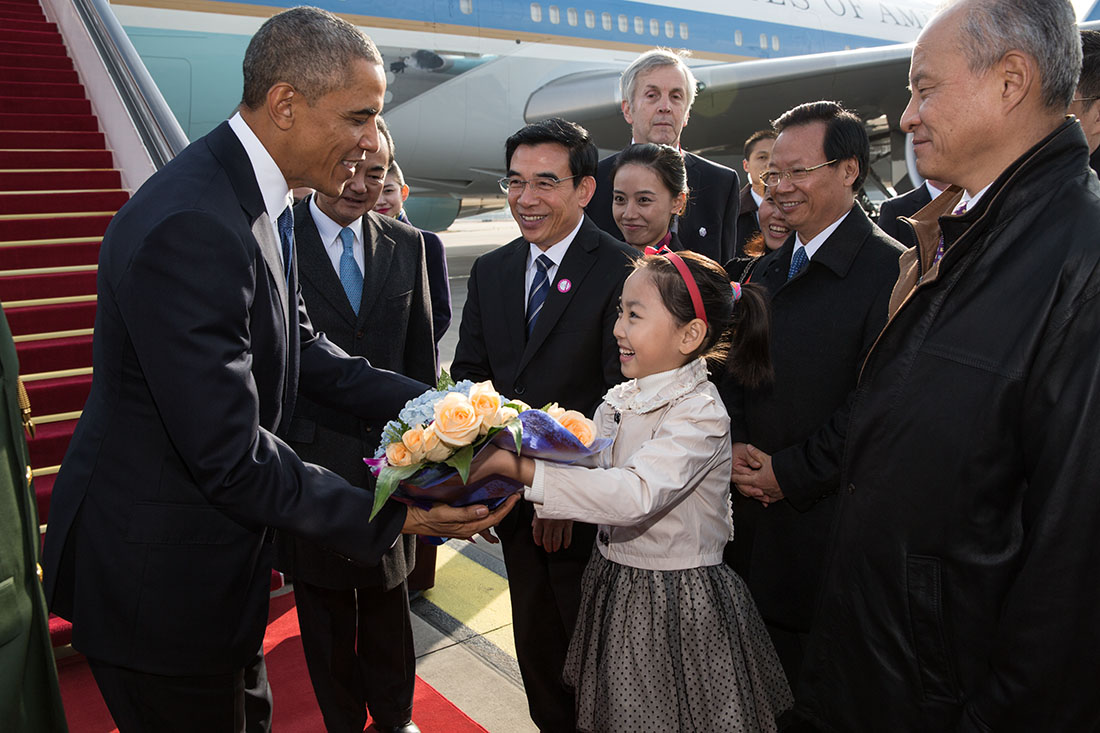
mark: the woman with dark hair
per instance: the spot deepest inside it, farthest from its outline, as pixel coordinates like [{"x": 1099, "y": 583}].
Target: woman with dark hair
[
  {"x": 650, "y": 188},
  {"x": 773, "y": 233}
]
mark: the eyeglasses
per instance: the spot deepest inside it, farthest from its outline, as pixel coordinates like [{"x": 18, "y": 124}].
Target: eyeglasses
[
  {"x": 542, "y": 184},
  {"x": 1085, "y": 99},
  {"x": 772, "y": 178}
]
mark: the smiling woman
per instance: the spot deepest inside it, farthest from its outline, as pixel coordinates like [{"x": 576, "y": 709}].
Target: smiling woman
[{"x": 650, "y": 188}]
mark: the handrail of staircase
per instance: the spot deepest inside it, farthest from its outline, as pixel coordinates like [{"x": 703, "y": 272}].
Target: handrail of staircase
[{"x": 159, "y": 130}]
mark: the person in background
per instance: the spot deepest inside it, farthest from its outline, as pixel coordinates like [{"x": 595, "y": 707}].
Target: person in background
[
  {"x": 657, "y": 91},
  {"x": 650, "y": 189},
  {"x": 757, "y": 153},
  {"x": 391, "y": 202},
  {"x": 30, "y": 701},
  {"x": 905, "y": 205},
  {"x": 365, "y": 284},
  {"x": 668, "y": 637},
  {"x": 773, "y": 233}
]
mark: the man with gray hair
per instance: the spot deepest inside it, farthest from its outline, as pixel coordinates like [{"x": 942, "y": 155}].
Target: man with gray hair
[
  {"x": 658, "y": 90},
  {"x": 960, "y": 590},
  {"x": 158, "y": 546}
]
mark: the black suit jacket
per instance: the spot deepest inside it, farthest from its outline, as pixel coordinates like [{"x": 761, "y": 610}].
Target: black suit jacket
[
  {"x": 747, "y": 224},
  {"x": 571, "y": 357},
  {"x": 155, "y": 549},
  {"x": 708, "y": 226},
  {"x": 394, "y": 331},
  {"x": 824, "y": 321},
  {"x": 906, "y": 204}
]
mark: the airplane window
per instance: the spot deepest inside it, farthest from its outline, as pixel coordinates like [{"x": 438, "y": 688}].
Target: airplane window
[
  {"x": 764, "y": 41},
  {"x": 654, "y": 27},
  {"x": 624, "y": 23},
  {"x": 571, "y": 15},
  {"x": 775, "y": 43},
  {"x": 555, "y": 14},
  {"x": 536, "y": 12},
  {"x": 684, "y": 31},
  {"x": 639, "y": 25},
  {"x": 605, "y": 19},
  {"x": 670, "y": 28},
  {"x": 466, "y": 6},
  {"x": 589, "y": 19},
  {"x": 738, "y": 37}
]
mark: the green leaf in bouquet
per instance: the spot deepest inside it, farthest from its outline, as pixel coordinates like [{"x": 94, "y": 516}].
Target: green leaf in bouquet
[
  {"x": 388, "y": 479},
  {"x": 515, "y": 427},
  {"x": 445, "y": 381},
  {"x": 461, "y": 460}
]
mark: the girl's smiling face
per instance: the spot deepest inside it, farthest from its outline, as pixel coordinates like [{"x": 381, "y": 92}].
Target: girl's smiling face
[{"x": 649, "y": 338}]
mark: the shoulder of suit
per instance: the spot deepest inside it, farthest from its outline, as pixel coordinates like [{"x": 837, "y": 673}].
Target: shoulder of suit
[
  {"x": 709, "y": 166},
  {"x": 389, "y": 226}
]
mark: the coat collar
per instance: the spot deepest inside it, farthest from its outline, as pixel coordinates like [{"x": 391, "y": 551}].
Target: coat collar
[
  {"x": 657, "y": 390},
  {"x": 837, "y": 253}
]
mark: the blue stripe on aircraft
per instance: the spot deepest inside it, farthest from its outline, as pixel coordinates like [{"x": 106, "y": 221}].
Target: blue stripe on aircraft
[
  {"x": 707, "y": 32},
  {"x": 1094, "y": 13}
]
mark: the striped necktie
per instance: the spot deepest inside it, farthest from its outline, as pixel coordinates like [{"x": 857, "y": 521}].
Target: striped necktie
[{"x": 540, "y": 288}]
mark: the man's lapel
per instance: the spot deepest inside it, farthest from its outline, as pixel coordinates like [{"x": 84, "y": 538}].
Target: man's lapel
[
  {"x": 578, "y": 260},
  {"x": 314, "y": 265},
  {"x": 378, "y": 250}
]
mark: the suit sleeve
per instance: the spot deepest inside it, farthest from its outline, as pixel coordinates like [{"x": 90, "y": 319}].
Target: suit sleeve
[
  {"x": 810, "y": 471},
  {"x": 435, "y": 258},
  {"x": 1043, "y": 661},
  {"x": 186, "y": 299},
  {"x": 471, "y": 355},
  {"x": 729, "y": 221}
]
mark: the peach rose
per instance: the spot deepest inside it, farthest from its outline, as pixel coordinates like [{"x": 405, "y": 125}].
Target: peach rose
[
  {"x": 413, "y": 439},
  {"x": 398, "y": 455},
  {"x": 435, "y": 450},
  {"x": 456, "y": 421},
  {"x": 555, "y": 411},
  {"x": 485, "y": 399},
  {"x": 501, "y": 417},
  {"x": 581, "y": 427}
]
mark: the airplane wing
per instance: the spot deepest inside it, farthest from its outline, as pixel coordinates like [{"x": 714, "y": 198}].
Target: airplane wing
[{"x": 737, "y": 99}]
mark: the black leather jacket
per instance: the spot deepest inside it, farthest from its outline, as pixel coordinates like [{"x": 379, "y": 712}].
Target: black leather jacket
[{"x": 962, "y": 589}]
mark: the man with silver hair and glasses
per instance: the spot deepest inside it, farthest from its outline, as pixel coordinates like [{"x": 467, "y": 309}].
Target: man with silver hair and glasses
[
  {"x": 960, "y": 590},
  {"x": 658, "y": 90}
]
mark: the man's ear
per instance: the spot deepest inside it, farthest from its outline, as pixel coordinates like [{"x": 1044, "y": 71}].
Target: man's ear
[
  {"x": 1018, "y": 77},
  {"x": 626, "y": 112},
  {"x": 280, "y": 103},
  {"x": 586, "y": 189},
  {"x": 849, "y": 168}
]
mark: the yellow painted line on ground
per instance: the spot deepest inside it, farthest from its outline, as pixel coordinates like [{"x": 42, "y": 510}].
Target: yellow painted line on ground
[{"x": 474, "y": 596}]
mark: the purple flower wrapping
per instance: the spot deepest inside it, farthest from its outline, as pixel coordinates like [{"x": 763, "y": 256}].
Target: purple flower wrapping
[{"x": 543, "y": 437}]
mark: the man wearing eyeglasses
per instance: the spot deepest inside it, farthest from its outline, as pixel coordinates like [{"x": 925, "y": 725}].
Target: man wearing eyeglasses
[
  {"x": 538, "y": 322},
  {"x": 830, "y": 284},
  {"x": 1086, "y": 100}
]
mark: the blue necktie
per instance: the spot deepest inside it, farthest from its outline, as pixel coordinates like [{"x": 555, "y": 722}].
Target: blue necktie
[
  {"x": 540, "y": 287},
  {"x": 350, "y": 277},
  {"x": 798, "y": 261},
  {"x": 286, "y": 236}
]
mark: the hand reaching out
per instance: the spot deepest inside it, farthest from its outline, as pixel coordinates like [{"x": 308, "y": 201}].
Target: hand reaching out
[{"x": 461, "y": 522}]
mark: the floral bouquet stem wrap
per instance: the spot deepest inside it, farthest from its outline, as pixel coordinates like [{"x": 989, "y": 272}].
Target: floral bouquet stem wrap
[{"x": 425, "y": 454}]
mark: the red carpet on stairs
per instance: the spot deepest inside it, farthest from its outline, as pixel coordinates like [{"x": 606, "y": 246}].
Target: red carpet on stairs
[{"x": 296, "y": 708}]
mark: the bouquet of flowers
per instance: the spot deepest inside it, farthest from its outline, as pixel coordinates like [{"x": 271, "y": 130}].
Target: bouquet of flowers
[{"x": 425, "y": 454}]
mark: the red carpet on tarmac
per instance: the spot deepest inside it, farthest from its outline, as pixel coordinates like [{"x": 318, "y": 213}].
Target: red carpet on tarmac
[{"x": 295, "y": 707}]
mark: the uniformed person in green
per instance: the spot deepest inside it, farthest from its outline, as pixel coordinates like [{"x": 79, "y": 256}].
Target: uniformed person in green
[{"x": 30, "y": 700}]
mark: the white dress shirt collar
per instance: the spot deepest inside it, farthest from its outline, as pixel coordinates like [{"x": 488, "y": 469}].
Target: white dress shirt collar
[
  {"x": 556, "y": 253},
  {"x": 815, "y": 244},
  {"x": 971, "y": 200},
  {"x": 273, "y": 186},
  {"x": 932, "y": 190},
  {"x": 756, "y": 197},
  {"x": 329, "y": 232}
]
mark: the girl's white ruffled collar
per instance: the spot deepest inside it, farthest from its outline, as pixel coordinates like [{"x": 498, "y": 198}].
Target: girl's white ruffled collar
[{"x": 657, "y": 390}]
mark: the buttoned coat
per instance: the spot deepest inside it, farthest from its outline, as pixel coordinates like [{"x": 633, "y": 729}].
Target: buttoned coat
[
  {"x": 823, "y": 322},
  {"x": 394, "y": 331},
  {"x": 29, "y": 696},
  {"x": 709, "y": 223}
]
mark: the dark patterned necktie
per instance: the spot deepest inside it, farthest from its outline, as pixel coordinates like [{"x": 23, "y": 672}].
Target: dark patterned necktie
[
  {"x": 540, "y": 288},
  {"x": 286, "y": 236},
  {"x": 798, "y": 261}
]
